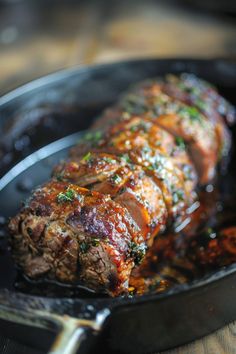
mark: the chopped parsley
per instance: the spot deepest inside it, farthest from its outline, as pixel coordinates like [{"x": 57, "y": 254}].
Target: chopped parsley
[
  {"x": 133, "y": 128},
  {"x": 126, "y": 158},
  {"x": 109, "y": 160},
  {"x": 30, "y": 231},
  {"x": 67, "y": 196},
  {"x": 116, "y": 179},
  {"x": 158, "y": 143},
  {"x": 87, "y": 157},
  {"x": 133, "y": 105},
  {"x": 190, "y": 112},
  {"x": 178, "y": 196},
  {"x": 93, "y": 137},
  {"x": 146, "y": 149},
  {"x": 80, "y": 198},
  {"x": 59, "y": 178},
  {"x": 155, "y": 166},
  {"x": 202, "y": 105},
  {"x": 140, "y": 126},
  {"x": 180, "y": 142},
  {"x": 84, "y": 247},
  {"x": 88, "y": 136},
  {"x": 181, "y": 85},
  {"x": 150, "y": 167},
  {"x": 95, "y": 242},
  {"x": 188, "y": 172},
  {"x": 137, "y": 252}
]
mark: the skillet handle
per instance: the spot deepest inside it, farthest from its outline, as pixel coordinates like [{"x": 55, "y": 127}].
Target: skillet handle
[{"x": 71, "y": 331}]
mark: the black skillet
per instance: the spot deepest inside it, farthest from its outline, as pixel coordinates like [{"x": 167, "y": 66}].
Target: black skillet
[{"x": 142, "y": 324}]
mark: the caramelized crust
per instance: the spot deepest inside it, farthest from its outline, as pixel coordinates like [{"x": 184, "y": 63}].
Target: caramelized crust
[
  {"x": 188, "y": 108},
  {"x": 135, "y": 143},
  {"x": 128, "y": 185},
  {"x": 196, "y": 92},
  {"x": 135, "y": 173},
  {"x": 73, "y": 234},
  {"x": 183, "y": 122}
]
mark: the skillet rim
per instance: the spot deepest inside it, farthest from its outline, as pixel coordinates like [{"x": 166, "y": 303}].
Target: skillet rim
[
  {"x": 66, "y": 72},
  {"x": 58, "y": 76}
]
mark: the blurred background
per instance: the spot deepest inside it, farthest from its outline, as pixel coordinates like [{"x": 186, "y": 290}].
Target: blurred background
[{"x": 39, "y": 37}]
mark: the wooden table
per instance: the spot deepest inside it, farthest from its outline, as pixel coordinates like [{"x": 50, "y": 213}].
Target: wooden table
[
  {"x": 38, "y": 37},
  {"x": 220, "y": 342}
]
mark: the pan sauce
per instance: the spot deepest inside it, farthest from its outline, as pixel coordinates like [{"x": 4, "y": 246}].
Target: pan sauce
[
  {"x": 207, "y": 243},
  {"x": 175, "y": 257}
]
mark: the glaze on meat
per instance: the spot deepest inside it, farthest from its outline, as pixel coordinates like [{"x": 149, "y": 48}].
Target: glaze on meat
[{"x": 134, "y": 174}]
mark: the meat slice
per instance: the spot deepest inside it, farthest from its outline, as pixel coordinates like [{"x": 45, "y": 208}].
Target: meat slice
[
  {"x": 132, "y": 132},
  {"x": 190, "y": 129},
  {"x": 71, "y": 234},
  {"x": 122, "y": 185},
  {"x": 144, "y": 200},
  {"x": 87, "y": 168},
  {"x": 206, "y": 99},
  {"x": 181, "y": 113},
  {"x": 194, "y": 91},
  {"x": 183, "y": 122},
  {"x": 129, "y": 186},
  {"x": 132, "y": 146}
]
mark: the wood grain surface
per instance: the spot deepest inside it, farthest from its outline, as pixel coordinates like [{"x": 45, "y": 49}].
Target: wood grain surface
[
  {"x": 220, "y": 342},
  {"x": 37, "y": 38}
]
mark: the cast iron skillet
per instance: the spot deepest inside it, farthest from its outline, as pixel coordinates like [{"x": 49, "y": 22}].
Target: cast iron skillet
[{"x": 125, "y": 325}]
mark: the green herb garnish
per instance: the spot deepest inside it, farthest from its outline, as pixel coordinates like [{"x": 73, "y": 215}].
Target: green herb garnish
[
  {"x": 59, "y": 178},
  {"x": 126, "y": 158},
  {"x": 146, "y": 149},
  {"x": 180, "y": 142},
  {"x": 178, "y": 196},
  {"x": 93, "y": 136},
  {"x": 84, "y": 247},
  {"x": 201, "y": 104},
  {"x": 116, "y": 179},
  {"x": 109, "y": 160},
  {"x": 188, "y": 172},
  {"x": 67, "y": 196},
  {"x": 95, "y": 242},
  {"x": 190, "y": 112},
  {"x": 156, "y": 166},
  {"x": 150, "y": 167},
  {"x": 140, "y": 126},
  {"x": 80, "y": 198},
  {"x": 87, "y": 157},
  {"x": 137, "y": 252},
  {"x": 133, "y": 128},
  {"x": 30, "y": 231},
  {"x": 134, "y": 105}
]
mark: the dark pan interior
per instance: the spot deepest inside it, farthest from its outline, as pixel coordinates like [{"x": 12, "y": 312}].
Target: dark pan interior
[
  {"x": 64, "y": 103},
  {"x": 34, "y": 170}
]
